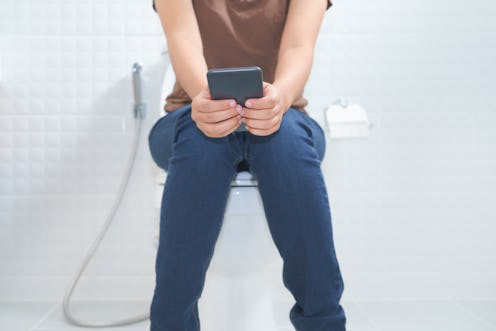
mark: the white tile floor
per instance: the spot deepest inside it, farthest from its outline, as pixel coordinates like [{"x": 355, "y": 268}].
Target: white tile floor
[{"x": 362, "y": 316}]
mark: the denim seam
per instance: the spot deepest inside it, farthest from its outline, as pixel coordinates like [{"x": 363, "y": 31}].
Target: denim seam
[
  {"x": 237, "y": 160},
  {"x": 236, "y": 148}
]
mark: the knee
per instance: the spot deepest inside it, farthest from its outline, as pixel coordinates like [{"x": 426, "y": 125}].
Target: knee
[
  {"x": 160, "y": 141},
  {"x": 292, "y": 144},
  {"x": 193, "y": 150}
]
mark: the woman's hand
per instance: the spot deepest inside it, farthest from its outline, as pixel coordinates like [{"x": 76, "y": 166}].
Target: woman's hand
[
  {"x": 215, "y": 118},
  {"x": 263, "y": 116}
]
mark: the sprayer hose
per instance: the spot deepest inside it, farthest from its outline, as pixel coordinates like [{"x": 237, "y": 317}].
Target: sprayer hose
[{"x": 110, "y": 217}]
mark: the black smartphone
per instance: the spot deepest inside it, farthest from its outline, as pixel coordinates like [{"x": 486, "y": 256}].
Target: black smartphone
[{"x": 239, "y": 83}]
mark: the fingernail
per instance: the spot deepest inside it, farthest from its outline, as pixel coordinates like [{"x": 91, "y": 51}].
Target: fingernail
[
  {"x": 239, "y": 108},
  {"x": 248, "y": 104},
  {"x": 239, "y": 117},
  {"x": 232, "y": 103}
]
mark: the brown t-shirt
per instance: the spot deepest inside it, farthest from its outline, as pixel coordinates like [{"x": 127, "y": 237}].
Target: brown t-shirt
[{"x": 237, "y": 33}]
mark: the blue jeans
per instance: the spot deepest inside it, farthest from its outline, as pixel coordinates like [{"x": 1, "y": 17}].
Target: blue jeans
[{"x": 287, "y": 165}]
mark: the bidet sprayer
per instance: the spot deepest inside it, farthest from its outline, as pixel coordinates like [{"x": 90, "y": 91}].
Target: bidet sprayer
[{"x": 139, "y": 105}]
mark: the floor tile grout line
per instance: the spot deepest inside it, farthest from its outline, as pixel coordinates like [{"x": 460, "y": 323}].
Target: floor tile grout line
[
  {"x": 102, "y": 299},
  {"x": 417, "y": 299},
  {"x": 476, "y": 316},
  {"x": 44, "y": 317},
  {"x": 374, "y": 326}
]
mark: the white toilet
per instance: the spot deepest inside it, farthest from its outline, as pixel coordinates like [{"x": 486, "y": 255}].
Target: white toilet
[{"x": 239, "y": 283}]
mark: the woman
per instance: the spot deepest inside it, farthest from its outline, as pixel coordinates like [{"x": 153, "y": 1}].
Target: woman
[{"x": 283, "y": 148}]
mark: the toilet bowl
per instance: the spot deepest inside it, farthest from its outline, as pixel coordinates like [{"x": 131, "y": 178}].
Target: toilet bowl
[{"x": 237, "y": 293}]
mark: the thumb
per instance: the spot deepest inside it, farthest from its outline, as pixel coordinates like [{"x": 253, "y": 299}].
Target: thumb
[{"x": 205, "y": 92}]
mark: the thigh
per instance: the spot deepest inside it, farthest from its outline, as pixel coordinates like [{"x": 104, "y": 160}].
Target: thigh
[{"x": 200, "y": 170}]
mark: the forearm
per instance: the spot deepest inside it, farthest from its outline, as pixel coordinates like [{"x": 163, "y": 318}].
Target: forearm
[
  {"x": 189, "y": 65},
  {"x": 292, "y": 72}
]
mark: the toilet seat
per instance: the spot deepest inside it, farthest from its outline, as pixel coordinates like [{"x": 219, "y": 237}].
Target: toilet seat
[{"x": 244, "y": 177}]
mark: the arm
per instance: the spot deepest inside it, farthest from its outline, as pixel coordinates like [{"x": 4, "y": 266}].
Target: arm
[
  {"x": 297, "y": 46},
  {"x": 215, "y": 118},
  {"x": 185, "y": 46},
  {"x": 263, "y": 116}
]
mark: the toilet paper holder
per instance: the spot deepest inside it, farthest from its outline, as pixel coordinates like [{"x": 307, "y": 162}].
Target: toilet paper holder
[{"x": 346, "y": 120}]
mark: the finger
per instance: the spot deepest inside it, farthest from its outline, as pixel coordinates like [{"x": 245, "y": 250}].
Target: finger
[
  {"x": 261, "y": 124},
  {"x": 261, "y": 114},
  {"x": 233, "y": 128},
  {"x": 262, "y": 132},
  {"x": 216, "y": 116},
  {"x": 235, "y": 124},
  {"x": 208, "y": 105},
  {"x": 267, "y": 101},
  {"x": 223, "y": 126}
]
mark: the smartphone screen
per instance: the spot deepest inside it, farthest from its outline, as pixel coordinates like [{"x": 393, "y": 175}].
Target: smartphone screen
[{"x": 239, "y": 83}]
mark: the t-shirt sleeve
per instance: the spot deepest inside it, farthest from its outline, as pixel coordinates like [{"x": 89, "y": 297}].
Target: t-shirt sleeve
[{"x": 329, "y": 4}]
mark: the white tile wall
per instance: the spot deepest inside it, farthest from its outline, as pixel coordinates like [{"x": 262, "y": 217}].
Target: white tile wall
[
  {"x": 66, "y": 128},
  {"x": 412, "y": 205}
]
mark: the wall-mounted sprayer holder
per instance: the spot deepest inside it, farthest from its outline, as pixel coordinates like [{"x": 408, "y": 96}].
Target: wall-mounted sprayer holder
[{"x": 139, "y": 105}]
